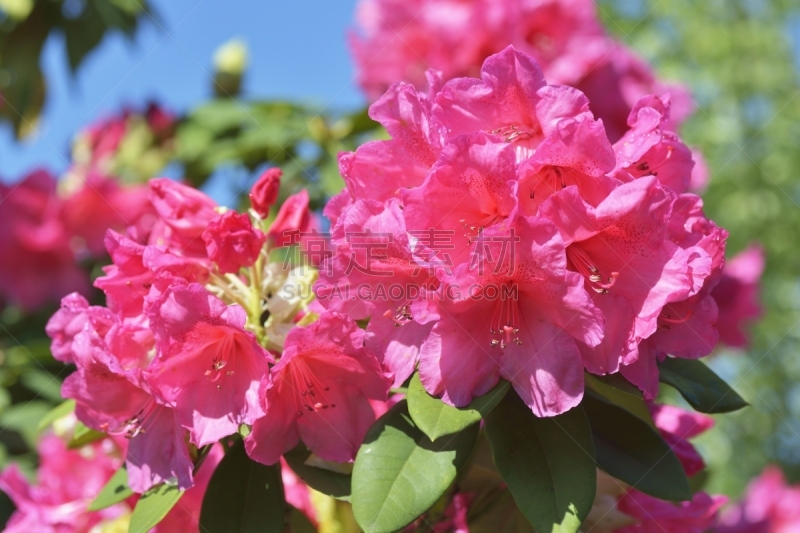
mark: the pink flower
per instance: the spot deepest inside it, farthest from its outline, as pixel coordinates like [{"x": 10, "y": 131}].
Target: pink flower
[
  {"x": 102, "y": 203},
  {"x": 37, "y": 264},
  {"x": 319, "y": 392},
  {"x": 658, "y": 516},
  {"x": 677, "y": 426},
  {"x": 69, "y": 320},
  {"x": 769, "y": 506},
  {"x": 207, "y": 366},
  {"x": 648, "y": 148},
  {"x": 737, "y": 295},
  {"x": 127, "y": 280},
  {"x": 184, "y": 212},
  {"x": 112, "y": 397},
  {"x": 292, "y": 219},
  {"x": 515, "y": 312},
  {"x": 265, "y": 191},
  {"x": 621, "y": 250},
  {"x": 67, "y": 482},
  {"x": 232, "y": 242},
  {"x": 475, "y": 176},
  {"x": 372, "y": 255}
]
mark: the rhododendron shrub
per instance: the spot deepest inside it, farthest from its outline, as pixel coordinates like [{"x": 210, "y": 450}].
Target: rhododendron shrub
[{"x": 478, "y": 341}]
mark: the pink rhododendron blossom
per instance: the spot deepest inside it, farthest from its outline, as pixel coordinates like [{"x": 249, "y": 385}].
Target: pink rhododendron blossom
[
  {"x": 519, "y": 320},
  {"x": 265, "y": 191},
  {"x": 319, "y": 392},
  {"x": 127, "y": 280},
  {"x": 100, "y": 204},
  {"x": 292, "y": 219},
  {"x": 648, "y": 148},
  {"x": 658, "y": 516},
  {"x": 112, "y": 397},
  {"x": 207, "y": 366},
  {"x": 770, "y": 505},
  {"x": 37, "y": 264},
  {"x": 67, "y": 481},
  {"x": 676, "y": 426},
  {"x": 184, "y": 212},
  {"x": 622, "y": 252},
  {"x": 400, "y": 41},
  {"x": 232, "y": 242},
  {"x": 373, "y": 254},
  {"x": 737, "y": 296}
]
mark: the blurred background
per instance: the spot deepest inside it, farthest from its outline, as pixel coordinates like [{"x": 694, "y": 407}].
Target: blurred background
[{"x": 67, "y": 66}]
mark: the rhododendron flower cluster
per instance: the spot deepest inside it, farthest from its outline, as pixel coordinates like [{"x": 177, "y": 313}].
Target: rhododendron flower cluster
[
  {"x": 399, "y": 40},
  {"x": 195, "y": 316},
  {"x": 537, "y": 248}
]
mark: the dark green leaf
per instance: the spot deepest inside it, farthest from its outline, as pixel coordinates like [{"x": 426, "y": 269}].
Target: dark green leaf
[
  {"x": 631, "y": 450},
  {"x": 548, "y": 463},
  {"x": 153, "y": 506},
  {"x": 61, "y": 410},
  {"x": 83, "y": 436},
  {"x": 299, "y": 523},
  {"x": 322, "y": 480},
  {"x": 699, "y": 385},
  {"x": 243, "y": 496},
  {"x": 630, "y": 400},
  {"x": 399, "y": 472},
  {"x": 435, "y": 418},
  {"x": 115, "y": 491}
]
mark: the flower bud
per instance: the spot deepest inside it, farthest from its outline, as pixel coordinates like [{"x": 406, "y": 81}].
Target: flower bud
[
  {"x": 292, "y": 218},
  {"x": 265, "y": 191}
]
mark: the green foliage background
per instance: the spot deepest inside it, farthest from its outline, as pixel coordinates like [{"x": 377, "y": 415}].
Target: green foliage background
[{"x": 737, "y": 57}]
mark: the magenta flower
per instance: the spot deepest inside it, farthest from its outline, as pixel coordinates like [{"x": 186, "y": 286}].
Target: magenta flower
[
  {"x": 769, "y": 505},
  {"x": 622, "y": 251},
  {"x": 518, "y": 316},
  {"x": 67, "y": 482},
  {"x": 737, "y": 296},
  {"x": 319, "y": 392},
  {"x": 184, "y": 212},
  {"x": 373, "y": 273},
  {"x": 475, "y": 177},
  {"x": 127, "y": 280},
  {"x": 648, "y": 148},
  {"x": 73, "y": 316},
  {"x": 232, "y": 242},
  {"x": 207, "y": 366},
  {"x": 37, "y": 264},
  {"x": 658, "y": 516},
  {"x": 112, "y": 397},
  {"x": 677, "y": 425}
]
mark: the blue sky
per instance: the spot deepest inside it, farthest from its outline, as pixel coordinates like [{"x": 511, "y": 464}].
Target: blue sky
[{"x": 297, "y": 50}]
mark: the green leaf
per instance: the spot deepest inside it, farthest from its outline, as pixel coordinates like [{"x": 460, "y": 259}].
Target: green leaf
[
  {"x": 699, "y": 385},
  {"x": 325, "y": 481},
  {"x": 115, "y": 491},
  {"x": 83, "y": 436},
  {"x": 399, "y": 472},
  {"x": 61, "y": 410},
  {"x": 548, "y": 463},
  {"x": 631, "y": 450},
  {"x": 630, "y": 400},
  {"x": 44, "y": 384},
  {"x": 436, "y": 419},
  {"x": 153, "y": 506},
  {"x": 243, "y": 496}
]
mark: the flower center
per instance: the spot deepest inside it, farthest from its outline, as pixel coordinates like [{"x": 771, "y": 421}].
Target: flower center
[
  {"x": 136, "y": 424},
  {"x": 647, "y": 168},
  {"x": 584, "y": 265},
  {"x": 402, "y": 314},
  {"x": 505, "y": 324},
  {"x": 665, "y": 320},
  {"x": 311, "y": 392},
  {"x": 220, "y": 360}
]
